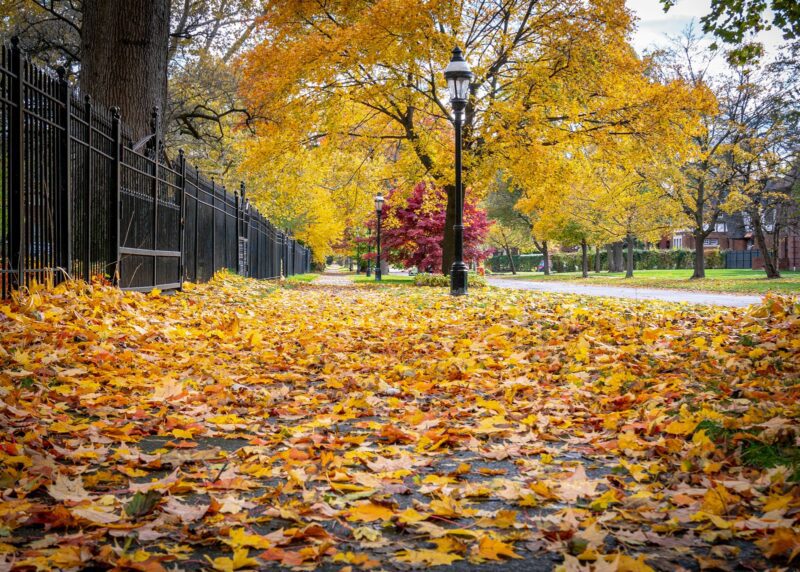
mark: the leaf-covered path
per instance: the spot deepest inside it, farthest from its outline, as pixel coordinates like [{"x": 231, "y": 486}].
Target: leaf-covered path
[{"x": 238, "y": 425}]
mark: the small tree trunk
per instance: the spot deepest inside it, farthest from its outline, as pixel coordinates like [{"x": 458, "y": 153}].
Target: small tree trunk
[
  {"x": 770, "y": 264},
  {"x": 546, "y": 258},
  {"x": 629, "y": 261},
  {"x": 508, "y": 251},
  {"x": 585, "y": 258},
  {"x": 597, "y": 259},
  {"x": 699, "y": 257},
  {"x": 510, "y": 259}
]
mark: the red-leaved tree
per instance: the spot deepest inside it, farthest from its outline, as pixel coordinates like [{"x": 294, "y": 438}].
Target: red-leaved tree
[{"x": 413, "y": 229}]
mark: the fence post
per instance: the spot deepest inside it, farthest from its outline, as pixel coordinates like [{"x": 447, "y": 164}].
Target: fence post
[
  {"x": 225, "y": 226},
  {"x": 16, "y": 242},
  {"x": 241, "y": 240},
  {"x": 65, "y": 186},
  {"x": 213, "y": 226},
  {"x": 182, "y": 237},
  {"x": 87, "y": 193},
  {"x": 197, "y": 225},
  {"x": 114, "y": 197},
  {"x": 154, "y": 120}
]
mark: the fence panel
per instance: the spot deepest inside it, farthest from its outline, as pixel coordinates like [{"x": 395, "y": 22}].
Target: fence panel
[
  {"x": 6, "y": 112},
  {"x": 77, "y": 199},
  {"x": 740, "y": 258}
]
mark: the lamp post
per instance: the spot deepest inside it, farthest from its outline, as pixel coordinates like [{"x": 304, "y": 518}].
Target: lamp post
[
  {"x": 369, "y": 251},
  {"x": 458, "y": 77},
  {"x": 378, "y": 211}
]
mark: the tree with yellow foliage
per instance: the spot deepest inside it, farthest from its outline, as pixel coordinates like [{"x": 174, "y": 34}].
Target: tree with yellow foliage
[{"x": 366, "y": 77}]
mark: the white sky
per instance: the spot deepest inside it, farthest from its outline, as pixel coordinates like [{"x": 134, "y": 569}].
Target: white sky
[{"x": 654, "y": 25}]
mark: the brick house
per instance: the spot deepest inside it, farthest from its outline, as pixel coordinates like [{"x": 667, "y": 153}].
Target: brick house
[{"x": 734, "y": 233}]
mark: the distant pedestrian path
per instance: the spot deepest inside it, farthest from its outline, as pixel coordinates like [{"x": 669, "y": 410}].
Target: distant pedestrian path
[
  {"x": 333, "y": 277},
  {"x": 705, "y": 298}
]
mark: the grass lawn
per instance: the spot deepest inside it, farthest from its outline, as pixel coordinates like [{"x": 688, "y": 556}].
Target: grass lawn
[
  {"x": 733, "y": 281},
  {"x": 387, "y": 279},
  {"x": 310, "y": 277}
]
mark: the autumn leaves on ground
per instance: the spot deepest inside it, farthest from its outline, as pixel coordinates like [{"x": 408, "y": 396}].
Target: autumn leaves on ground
[{"x": 242, "y": 425}]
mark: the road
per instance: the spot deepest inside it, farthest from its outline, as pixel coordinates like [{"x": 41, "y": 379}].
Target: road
[{"x": 705, "y": 298}]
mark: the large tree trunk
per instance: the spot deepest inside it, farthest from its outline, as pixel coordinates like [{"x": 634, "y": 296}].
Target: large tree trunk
[
  {"x": 597, "y": 259},
  {"x": 629, "y": 261},
  {"x": 124, "y": 47},
  {"x": 585, "y": 258},
  {"x": 699, "y": 256},
  {"x": 615, "y": 257},
  {"x": 448, "y": 240},
  {"x": 770, "y": 262}
]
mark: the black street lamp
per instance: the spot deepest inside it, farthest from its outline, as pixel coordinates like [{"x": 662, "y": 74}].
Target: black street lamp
[
  {"x": 458, "y": 77},
  {"x": 378, "y": 211},
  {"x": 369, "y": 251}
]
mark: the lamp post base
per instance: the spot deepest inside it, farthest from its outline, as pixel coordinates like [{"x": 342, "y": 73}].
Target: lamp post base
[
  {"x": 378, "y": 276},
  {"x": 458, "y": 279}
]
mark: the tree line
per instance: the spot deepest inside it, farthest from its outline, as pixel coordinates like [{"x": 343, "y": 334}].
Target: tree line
[{"x": 570, "y": 136}]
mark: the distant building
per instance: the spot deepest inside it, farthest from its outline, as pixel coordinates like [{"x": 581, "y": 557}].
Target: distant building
[{"x": 735, "y": 233}]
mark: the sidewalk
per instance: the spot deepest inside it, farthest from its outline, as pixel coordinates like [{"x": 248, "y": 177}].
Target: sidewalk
[
  {"x": 333, "y": 277},
  {"x": 705, "y": 298}
]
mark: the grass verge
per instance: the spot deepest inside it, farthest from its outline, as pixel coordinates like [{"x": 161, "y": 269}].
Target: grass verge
[{"x": 729, "y": 281}]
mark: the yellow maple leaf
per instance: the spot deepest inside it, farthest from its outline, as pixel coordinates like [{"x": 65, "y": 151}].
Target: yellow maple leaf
[
  {"x": 427, "y": 557},
  {"x": 241, "y": 559},
  {"x": 369, "y": 512},
  {"x": 781, "y": 541},
  {"x": 411, "y": 516},
  {"x": 240, "y": 538},
  {"x": 491, "y": 549},
  {"x": 680, "y": 427}
]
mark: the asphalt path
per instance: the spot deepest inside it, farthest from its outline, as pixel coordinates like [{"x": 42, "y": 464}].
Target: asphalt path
[{"x": 704, "y": 298}]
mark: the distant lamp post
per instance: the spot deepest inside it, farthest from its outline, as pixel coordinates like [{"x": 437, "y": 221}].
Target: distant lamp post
[
  {"x": 458, "y": 77},
  {"x": 369, "y": 251},
  {"x": 379, "y": 212}
]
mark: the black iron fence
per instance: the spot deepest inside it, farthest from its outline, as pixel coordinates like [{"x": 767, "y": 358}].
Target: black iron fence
[{"x": 76, "y": 198}]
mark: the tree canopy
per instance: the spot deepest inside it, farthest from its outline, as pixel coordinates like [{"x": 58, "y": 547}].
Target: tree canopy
[{"x": 365, "y": 78}]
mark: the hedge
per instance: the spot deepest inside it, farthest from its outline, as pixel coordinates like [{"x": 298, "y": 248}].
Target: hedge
[
  {"x": 522, "y": 263},
  {"x": 642, "y": 260}
]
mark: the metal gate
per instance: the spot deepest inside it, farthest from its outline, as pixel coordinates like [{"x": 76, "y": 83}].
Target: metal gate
[{"x": 740, "y": 258}]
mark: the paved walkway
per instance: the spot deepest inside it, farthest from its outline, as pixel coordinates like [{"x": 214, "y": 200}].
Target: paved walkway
[
  {"x": 332, "y": 277},
  {"x": 706, "y": 298}
]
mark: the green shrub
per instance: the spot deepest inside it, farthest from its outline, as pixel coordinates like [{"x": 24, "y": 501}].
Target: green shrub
[
  {"x": 442, "y": 281},
  {"x": 522, "y": 262}
]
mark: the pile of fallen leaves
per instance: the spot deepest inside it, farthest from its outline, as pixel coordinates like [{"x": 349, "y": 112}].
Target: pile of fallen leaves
[{"x": 240, "y": 425}]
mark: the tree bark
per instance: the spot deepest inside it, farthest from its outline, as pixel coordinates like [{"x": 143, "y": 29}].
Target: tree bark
[
  {"x": 546, "y": 258},
  {"x": 699, "y": 257},
  {"x": 597, "y": 259},
  {"x": 510, "y": 259},
  {"x": 770, "y": 264},
  {"x": 124, "y": 47},
  {"x": 615, "y": 257},
  {"x": 629, "y": 261},
  {"x": 585, "y": 258}
]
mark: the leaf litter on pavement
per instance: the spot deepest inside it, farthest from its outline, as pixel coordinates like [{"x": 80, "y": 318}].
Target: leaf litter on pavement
[{"x": 239, "y": 425}]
